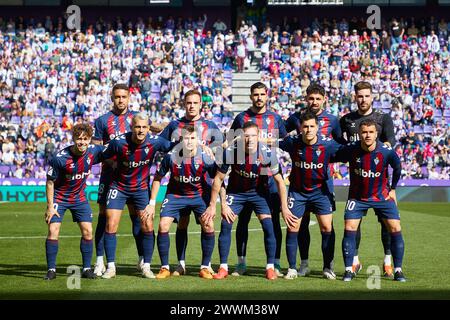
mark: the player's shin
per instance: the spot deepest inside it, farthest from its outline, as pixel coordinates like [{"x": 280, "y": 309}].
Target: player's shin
[
  {"x": 181, "y": 239},
  {"x": 100, "y": 236},
  {"x": 137, "y": 233},
  {"x": 163, "y": 248},
  {"x": 148, "y": 244},
  {"x": 291, "y": 248},
  {"x": 208, "y": 241},
  {"x": 224, "y": 241},
  {"x": 86, "y": 249},
  {"x": 304, "y": 237},
  {"x": 348, "y": 248},
  {"x": 397, "y": 249},
  {"x": 51, "y": 251},
  {"x": 269, "y": 241}
]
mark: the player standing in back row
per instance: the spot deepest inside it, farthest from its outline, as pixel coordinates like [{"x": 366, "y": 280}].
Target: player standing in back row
[
  {"x": 271, "y": 127},
  {"x": 107, "y": 127},
  {"x": 369, "y": 161},
  {"x": 385, "y": 128},
  {"x": 328, "y": 128}
]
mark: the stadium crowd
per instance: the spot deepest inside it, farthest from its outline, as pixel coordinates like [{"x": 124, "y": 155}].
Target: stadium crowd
[{"x": 51, "y": 78}]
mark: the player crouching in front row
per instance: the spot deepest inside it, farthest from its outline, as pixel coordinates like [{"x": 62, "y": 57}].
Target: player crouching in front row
[
  {"x": 247, "y": 185},
  {"x": 187, "y": 190},
  {"x": 66, "y": 181},
  {"x": 369, "y": 161}
]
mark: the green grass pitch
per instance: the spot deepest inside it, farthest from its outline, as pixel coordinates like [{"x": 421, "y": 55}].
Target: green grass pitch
[{"x": 22, "y": 262}]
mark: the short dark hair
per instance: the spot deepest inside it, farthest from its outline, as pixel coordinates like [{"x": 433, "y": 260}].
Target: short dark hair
[
  {"x": 258, "y": 85},
  {"x": 250, "y": 124},
  {"x": 368, "y": 123},
  {"x": 315, "y": 88},
  {"x": 188, "y": 129},
  {"x": 81, "y": 128},
  {"x": 362, "y": 85},
  {"x": 308, "y": 115},
  {"x": 120, "y": 86}
]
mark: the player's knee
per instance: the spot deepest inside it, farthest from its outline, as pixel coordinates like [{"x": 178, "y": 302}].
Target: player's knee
[
  {"x": 111, "y": 227},
  {"x": 164, "y": 226},
  {"x": 208, "y": 228},
  {"x": 53, "y": 231}
]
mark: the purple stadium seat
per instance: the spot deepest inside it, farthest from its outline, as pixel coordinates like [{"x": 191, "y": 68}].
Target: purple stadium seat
[
  {"x": 438, "y": 113},
  {"x": 447, "y": 113},
  {"x": 15, "y": 120},
  {"x": 226, "y": 120},
  {"x": 427, "y": 129},
  {"x": 96, "y": 170},
  {"x": 377, "y": 104},
  {"x": 4, "y": 170},
  {"x": 418, "y": 129}
]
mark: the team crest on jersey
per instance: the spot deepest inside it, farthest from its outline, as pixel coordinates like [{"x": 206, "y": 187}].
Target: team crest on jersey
[
  {"x": 268, "y": 121},
  {"x": 376, "y": 161},
  {"x": 88, "y": 161},
  {"x": 322, "y": 122},
  {"x": 129, "y": 120},
  {"x": 318, "y": 152},
  {"x": 146, "y": 150},
  {"x": 196, "y": 166},
  {"x": 258, "y": 162},
  {"x": 128, "y": 152}
]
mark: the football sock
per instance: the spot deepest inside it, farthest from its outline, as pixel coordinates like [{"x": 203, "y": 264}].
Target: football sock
[
  {"x": 148, "y": 243},
  {"x": 355, "y": 260},
  {"x": 208, "y": 240},
  {"x": 137, "y": 233},
  {"x": 163, "y": 241},
  {"x": 100, "y": 236},
  {"x": 304, "y": 262},
  {"x": 182, "y": 263},
  {"x": 397, "y": 269},
  {"x": 327, "y": 248},
  {"x": 270, "y": 266},
  {"x": 291, "y": 248},
  {"x": 110, "y": 246},
  {"x": 277, "y": 261},
  {"x": 278, "y": 233},
  {"x": 51, "y": 250},
  {"x": 242, "y": 260},
  {"x": 111, "y": 265},
  {"x": 269, "y": 239},
  {"x": 358, "y": 238},
  {"x": 388, "y": 259},
  {"x": 86, "y": 248},
  {"x": 348, "y": 247},
  {"x": 181, "y": 240},
  {"x": 224, "y": 241},
  {"x": 99, "y": 260},
  {"x": 304, "y": 237},
  {"x": 242, "y": 232},
  {"x": 397, "y": 248},
  {"x": 386, "y": 239}
]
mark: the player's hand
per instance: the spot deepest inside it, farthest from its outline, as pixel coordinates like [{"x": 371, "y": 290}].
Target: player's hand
[
  {"x": 228, "y": 214},
  {"x": 208, "y": 151},
  {"x": 50, "y": 213},
  {"x": 289, "y": 218},
  {"x": 392, "y": 196},
  {"x": 149, "y": 212},
  {"x": 208, "y": 215}
]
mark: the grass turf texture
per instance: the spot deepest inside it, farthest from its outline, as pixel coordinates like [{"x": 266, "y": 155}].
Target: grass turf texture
[{"x": 22, "y": 262}]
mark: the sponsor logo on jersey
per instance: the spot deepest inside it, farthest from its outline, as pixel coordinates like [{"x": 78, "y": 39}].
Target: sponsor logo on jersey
[
  {"x": 79, "y": 176},
  {"x": 246, "y": 174},
  {"x": 308, "y": 165},
  {"x": 185, "y": 179},
  {"x": 133, "y": 164},
  {"x": 367, "y": 174}
]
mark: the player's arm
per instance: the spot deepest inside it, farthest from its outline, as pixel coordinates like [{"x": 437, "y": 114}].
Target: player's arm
[
  {"x": 157, "y": 127},
  {"x": 341, "y": 153},
  {"x": 52, "y": 174},
  {"x": 343, "y": 130},
  {"x": 394, "y": 162},
  {"x": 387, "y": 133},
  {"x": 289, "y": 218},
  {"x": 210, "y": 212},
  {"x": 289, "y": 124},
  {"x": 336, "y": 132},
  {"x": 98, "y": 132}
]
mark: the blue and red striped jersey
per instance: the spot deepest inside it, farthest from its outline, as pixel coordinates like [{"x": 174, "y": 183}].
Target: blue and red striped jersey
[
  {"x": 369, "y": 176},
  {"x": 69, "y": 172},
  {"x": 269, "y": 123},
  {"x": 251, "y": 173},
  {"x": 110, "y": 125},
  {"x": 329, "y": 126},
  {"x": 188, "y": 176},
  {"x": 310, "y": 168},
  {"x": 134, "y": 160},
  {"x": 208, "y": 132}
]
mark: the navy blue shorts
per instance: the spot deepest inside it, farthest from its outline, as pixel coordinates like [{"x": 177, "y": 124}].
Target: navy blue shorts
[
  {"x": 117, "y": 199},
  {"x": 318, "y": 202},
  {"x": 81, "y": 212},
  {"x": 356, "y": 209},
  {"x": 176, "y": 206},
  {"x": 253, "y": 201}
]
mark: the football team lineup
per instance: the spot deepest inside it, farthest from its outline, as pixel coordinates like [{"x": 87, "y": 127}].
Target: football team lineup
[{"x": 126, "y": 144}]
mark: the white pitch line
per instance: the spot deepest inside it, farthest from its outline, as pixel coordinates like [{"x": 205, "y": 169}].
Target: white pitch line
[{"x": 121, "y": 235}]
